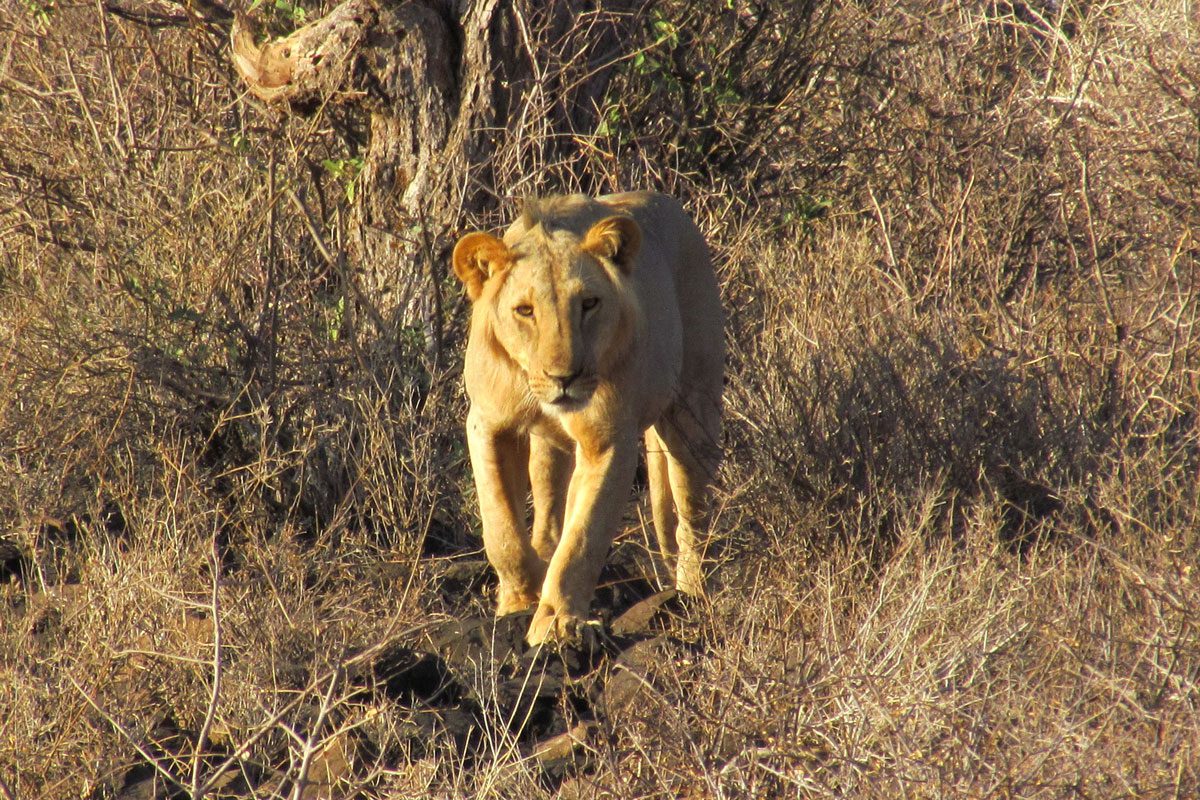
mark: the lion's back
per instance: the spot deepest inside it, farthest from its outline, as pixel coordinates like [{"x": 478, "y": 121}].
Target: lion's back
[{"x": 674, "y": 244}]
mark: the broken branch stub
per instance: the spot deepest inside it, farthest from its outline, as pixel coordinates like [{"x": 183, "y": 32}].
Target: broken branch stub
[{"x": 309, "y": 65}]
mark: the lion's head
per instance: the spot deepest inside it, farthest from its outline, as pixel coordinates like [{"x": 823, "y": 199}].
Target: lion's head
[{"x": 555, "y": 302}]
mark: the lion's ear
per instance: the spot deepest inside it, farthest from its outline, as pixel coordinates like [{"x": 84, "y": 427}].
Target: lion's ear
[
  {"x": 478, "y": 256},
  {"x": 614, "y": 238}
]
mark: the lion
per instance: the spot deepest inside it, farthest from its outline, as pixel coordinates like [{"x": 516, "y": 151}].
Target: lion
[{"x": 594, "y": 322}]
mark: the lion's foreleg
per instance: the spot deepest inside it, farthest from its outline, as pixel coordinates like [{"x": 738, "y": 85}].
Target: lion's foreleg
[
  {"x": 598, "y": 493},
  {"x": 500, "y": 463}
]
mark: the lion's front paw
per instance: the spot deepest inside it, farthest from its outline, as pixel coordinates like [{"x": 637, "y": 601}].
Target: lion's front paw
[
  {"x": 560, "y": 627},
  {"x": 513, "y": 601}
]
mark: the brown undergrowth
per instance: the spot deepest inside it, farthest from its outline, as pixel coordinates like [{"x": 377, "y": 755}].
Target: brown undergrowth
[{"x": 957, "y": 522}]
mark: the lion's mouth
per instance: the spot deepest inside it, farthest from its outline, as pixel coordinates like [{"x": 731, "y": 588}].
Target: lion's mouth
[
  {"x": 570, "y": 399},
  {"x": 567, "y": 400}
]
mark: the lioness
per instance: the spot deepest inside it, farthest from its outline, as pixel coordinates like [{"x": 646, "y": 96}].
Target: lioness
[{"x": 593, "y": 320}]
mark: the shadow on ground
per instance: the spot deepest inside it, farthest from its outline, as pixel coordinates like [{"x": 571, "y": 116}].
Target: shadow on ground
[{"x": 470, "y": 687}]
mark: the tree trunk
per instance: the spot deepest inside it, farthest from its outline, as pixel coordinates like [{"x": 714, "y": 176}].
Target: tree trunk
[{"x": 450, "y": 89}]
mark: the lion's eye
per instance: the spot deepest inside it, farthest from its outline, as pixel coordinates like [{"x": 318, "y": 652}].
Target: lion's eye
[
  {"x": 589, "y": 303},
  {"x": 524, "y": 310}
]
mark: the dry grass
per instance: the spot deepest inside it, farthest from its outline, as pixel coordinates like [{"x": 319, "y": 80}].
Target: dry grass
[{"x": 959, "y": 513}]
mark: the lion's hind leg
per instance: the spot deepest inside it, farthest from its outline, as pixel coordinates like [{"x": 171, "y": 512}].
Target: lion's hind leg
[
  {"x": 691, "y": 433},
  {"x": 550, "y": 470},
  {"x": 662, "y": 507}
]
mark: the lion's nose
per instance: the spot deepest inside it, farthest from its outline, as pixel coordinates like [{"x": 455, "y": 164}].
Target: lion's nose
[{"x": 563, "y": 379}]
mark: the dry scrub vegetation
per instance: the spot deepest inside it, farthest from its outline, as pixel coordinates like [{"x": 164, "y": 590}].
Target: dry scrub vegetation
[{"x": 958, "y": 524}]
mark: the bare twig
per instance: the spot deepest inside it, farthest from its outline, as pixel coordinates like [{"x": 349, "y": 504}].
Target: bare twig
[
  {"x": 310, "y": 743},
  {"x": 214, "y": 697}
]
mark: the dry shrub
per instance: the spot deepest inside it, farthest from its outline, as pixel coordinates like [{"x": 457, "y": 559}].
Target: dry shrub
[
  {"x": 957, "y": 244},
  {"x": 948, "y": 671},
  {"x": 195, "y": 310},
  {"x": 188, "y": 399}
]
